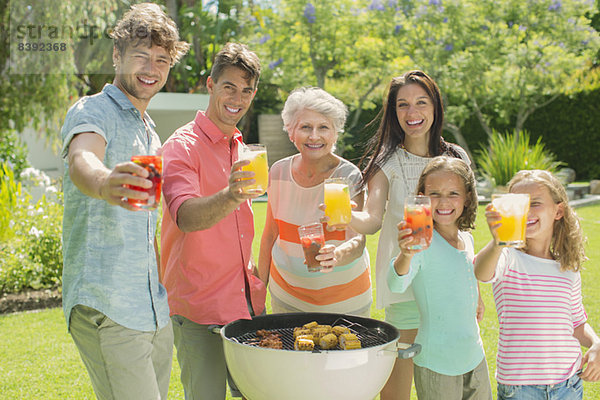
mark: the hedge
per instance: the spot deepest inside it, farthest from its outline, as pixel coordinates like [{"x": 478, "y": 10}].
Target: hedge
[{"x": 570, "y": 128}]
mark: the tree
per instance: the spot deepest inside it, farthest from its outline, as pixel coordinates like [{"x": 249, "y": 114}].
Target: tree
[
  {"x": 595, "y": 23},
  {"x": 28, "y": 94},
  {"x": 51, "y": 52},
  {"x": 207, "y": 26},
  {"x": 329, "y": 44},
  {"x": 497, "y": 60}
]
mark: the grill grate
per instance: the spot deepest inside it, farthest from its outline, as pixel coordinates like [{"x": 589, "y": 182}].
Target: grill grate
[{"x": 368, "y": 337}]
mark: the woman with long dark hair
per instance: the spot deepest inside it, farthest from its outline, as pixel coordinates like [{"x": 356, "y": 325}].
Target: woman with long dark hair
[{"x": 408, "y": 136}]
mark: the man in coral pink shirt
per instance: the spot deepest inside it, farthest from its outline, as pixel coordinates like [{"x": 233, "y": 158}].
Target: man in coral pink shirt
[{"x": 207, "y": 227}]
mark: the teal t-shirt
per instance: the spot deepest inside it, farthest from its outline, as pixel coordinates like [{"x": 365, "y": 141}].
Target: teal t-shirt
[{"x": 446, "y": 292}]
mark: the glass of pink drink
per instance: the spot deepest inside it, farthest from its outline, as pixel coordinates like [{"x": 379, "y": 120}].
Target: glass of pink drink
[
  {"x": 417, "y": 214},
  {"x": 152, "y": 164},
  {"x": 312, "y": 238}
]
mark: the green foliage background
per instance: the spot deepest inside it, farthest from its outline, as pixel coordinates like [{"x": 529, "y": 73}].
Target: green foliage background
[
  {"x": 32, "y": 258},
  {"x": 512, "y": 152},
  {"x": 30, "y": 237},
  {"x": 570, "y": 128}
]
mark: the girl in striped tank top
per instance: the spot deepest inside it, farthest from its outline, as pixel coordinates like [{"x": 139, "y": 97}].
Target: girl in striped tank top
[{"x": 537, "y": 291}]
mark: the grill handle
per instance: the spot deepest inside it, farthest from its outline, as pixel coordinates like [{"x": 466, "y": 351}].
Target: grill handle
[
  {"x": 216, "y": 329},
  {"x": 404, "y": 350}
]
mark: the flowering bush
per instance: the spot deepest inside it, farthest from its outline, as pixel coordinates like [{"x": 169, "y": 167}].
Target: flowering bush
[{"x": 31, "y": 243}]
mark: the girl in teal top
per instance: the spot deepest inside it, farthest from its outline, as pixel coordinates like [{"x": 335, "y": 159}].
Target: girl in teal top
[{"x": 452, "y": 363}]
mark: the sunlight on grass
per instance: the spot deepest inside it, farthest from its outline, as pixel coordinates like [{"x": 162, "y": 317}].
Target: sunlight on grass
[{"x": 40, "y": 361}]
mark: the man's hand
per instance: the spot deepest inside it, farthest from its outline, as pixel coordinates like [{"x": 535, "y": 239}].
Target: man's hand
[
  {"x": 240, "y": 179},
  {"x": 114, "y": 188},
  {"x": 94, "y": 179},
  {"x": 199, "y": 213}
]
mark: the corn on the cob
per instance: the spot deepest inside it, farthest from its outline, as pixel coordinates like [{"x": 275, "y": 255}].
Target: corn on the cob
[
  {"x": 324, "y": 327},
  {"x": 310, "y": 325},
  {"x": 328, "y": 341},
  {"x": 351, "y": 344},
  {"x": 318, "y": 333},
  {"x": 346, "y": 337},
  {"x": 304, "y": 344},
  {"x": 340, "y": 330},
  {"x": 301, "y": 331}
]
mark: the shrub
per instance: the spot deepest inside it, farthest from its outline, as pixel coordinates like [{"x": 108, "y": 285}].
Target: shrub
[
  {"x": 10, "y": 190},
  {"x": 31, "y": 246},
  {"x": 570, "y": 127},
  {"x": 509, "y": 153},
  {"x": 13, "y": 151}
]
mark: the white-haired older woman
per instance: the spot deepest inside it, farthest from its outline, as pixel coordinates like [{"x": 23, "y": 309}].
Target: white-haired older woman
[{"x": 313, "y": 119}]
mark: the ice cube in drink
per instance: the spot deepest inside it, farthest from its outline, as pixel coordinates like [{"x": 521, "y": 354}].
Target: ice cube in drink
[
  {"x": 337, "y": 201},
  {"x": 257, "y": 155},
  {"x": 312, "y": 238},
  {"x": 513, "y": 209},
  {"x": 152, "y": 164},
  {"x": 417, "y": 214}
]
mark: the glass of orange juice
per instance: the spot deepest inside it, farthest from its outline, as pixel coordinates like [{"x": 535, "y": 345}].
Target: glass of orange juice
[
  {"x": 152, "y": 164},
  {"x": 513, "y": 209},
  {"x": 257, "y": 155},
  {"x": 417, "y": 214},
  {"x": 337, "y": 201}
]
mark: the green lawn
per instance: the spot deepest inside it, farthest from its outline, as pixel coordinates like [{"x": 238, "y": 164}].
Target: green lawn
[{"x": 39, "y": 360}]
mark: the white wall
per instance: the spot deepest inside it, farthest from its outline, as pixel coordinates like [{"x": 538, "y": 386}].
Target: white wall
[
  {"x": 168, "y": 110},
  {"x": 172, "y": 110},
  {"x": 41, "y": 154}
]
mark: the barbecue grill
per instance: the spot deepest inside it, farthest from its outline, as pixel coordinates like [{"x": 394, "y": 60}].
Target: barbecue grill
[
  {"x": 368, "y": 337},
  {"x": 264, "y": 373}
]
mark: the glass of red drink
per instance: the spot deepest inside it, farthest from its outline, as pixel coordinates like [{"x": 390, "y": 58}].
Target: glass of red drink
[
  {"x": 152, "y": 164},
  {"x": 312, "y": 238},
  {"x": 417, "y": 214}
]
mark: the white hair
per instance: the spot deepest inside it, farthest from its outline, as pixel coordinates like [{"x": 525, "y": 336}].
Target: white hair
[{"x": 315, "y": 99}]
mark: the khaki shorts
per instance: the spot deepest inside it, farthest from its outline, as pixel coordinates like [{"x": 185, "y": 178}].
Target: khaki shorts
[
  {"x": 122, "y": 363},
  {"x": 200, "y": 355}
]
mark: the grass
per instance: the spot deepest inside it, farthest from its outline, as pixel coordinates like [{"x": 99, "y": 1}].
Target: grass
[{"x": 40, "y": 361}]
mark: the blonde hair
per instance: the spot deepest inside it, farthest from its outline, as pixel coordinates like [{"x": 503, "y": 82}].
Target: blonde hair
[
  {"x": 147, "y": 23},
  {"x": 568, "y": 240},
  {"x": 466, "y": 221}
]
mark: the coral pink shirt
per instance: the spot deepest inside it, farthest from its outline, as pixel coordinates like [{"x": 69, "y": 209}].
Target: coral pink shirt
[{"x": 204, "y": 271}]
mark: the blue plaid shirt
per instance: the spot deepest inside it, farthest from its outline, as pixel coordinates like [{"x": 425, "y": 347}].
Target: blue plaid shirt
[{"x": 109, "y": 259}]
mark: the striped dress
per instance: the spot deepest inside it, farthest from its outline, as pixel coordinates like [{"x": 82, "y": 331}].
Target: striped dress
[
  {"x": 538, "y": 309},
  {"x": 346, "y": 289}
]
